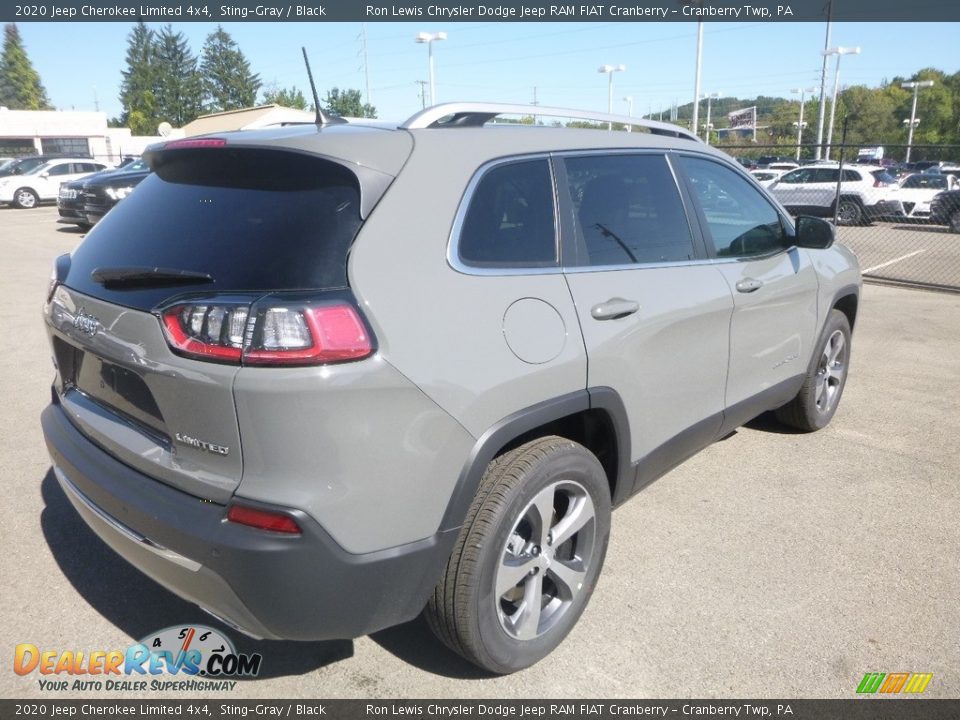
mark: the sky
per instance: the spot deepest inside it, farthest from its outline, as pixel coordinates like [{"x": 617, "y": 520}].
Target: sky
[{"x": 80, "y": 63}]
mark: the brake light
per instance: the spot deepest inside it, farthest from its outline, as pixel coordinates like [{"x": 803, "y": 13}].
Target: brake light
[
  {"x": 267, "y": 335},
  {"x": 195, "y": 143},
  {"x": 263, "y": 520}
]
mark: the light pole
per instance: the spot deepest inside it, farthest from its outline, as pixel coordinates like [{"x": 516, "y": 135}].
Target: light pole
[
  {"x": 839, "y": 52},
  {"x": 428, "y": 38},
  {"x": 709, "y": 97},
  {"x": 800, "y": 123},
  {"x": 629, "y": 101},
  {"x": 610, "y": 70},
  {"x": 915, "y": 85}
]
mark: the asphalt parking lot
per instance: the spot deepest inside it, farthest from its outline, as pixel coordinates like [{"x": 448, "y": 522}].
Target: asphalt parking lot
[
  {"x": 772, "y": 564},
  {"x": 912, "y": 253}
]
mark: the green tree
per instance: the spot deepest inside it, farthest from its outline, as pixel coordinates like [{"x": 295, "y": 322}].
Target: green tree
[
  {"x": 20, "y": 86},
  {"x": 347, "y": 103},
  {"x": 286, "y": 97},
  {"x": 228, "y": 83},
  {"x": 138, "y": 88},
  {"x": 179, "y": 86}
]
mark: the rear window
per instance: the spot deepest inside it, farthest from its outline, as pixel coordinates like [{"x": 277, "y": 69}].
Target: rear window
[{"x": 255, "y": 220}]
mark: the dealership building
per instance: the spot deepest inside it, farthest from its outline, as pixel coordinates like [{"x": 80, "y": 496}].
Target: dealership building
[
  {"x": 36, "y": 132},
  {"x": 45, "y": 132}
]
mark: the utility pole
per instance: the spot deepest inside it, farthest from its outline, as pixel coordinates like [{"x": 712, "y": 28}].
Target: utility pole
[
  {"x": 535, "y": 103},
  {"x": 366, "y": 66},
  {"x": 818, "y": 151},
  {"x": 423, "y": 93},
  {"x": 696, "y": 82}
]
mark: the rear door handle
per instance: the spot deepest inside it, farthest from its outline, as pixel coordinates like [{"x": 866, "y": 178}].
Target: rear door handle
[
  {"x": 749, "y": 285},
  {"x": 614, "y": 308}
]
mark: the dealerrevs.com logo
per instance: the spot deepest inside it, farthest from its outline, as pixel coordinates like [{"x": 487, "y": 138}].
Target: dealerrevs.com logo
[
  {"x": 201, "y": 657},
  {"x": 894, "y": 683}
]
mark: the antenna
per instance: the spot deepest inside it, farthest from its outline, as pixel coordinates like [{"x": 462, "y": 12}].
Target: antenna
[{"x": 321, "y": 119}]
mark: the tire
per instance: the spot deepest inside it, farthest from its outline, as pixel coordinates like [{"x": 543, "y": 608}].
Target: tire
[
  {"x": 25, "y": 198},
  {"x": 955, "y": 221},
  {"x": 506, "y": 556},
  {"x": 817, "y": 401},
  {"x": 849, "y": 212}
]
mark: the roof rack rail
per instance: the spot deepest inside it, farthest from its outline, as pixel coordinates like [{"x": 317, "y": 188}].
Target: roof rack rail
[{"x": 473, "y": 114}]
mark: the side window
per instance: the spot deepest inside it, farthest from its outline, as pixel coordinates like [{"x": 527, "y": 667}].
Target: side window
[
  {"x": 851, "y": 176},
  {"x": 62, "y": 169},
  {"x": 510, "y": 219},
  {"x": 741, "y": 221},
  {"x": 796, "y": 177},
  {"x": 825, "y": 175},
  {"x": 627, "y": 209}
]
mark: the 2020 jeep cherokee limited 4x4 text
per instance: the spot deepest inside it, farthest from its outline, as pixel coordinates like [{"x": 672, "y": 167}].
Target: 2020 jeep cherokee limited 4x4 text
[{"x": 318, "y": 379}]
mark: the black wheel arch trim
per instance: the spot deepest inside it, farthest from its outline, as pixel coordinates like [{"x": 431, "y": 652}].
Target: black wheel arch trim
[
  {"x": 516, "y": 424},
  {"x": 844, "y": 292}
]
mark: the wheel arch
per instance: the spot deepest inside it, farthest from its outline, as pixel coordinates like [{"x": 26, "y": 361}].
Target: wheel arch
[
  {"x": 595, "y": 418},
  {"x": 847, "y": 301}
]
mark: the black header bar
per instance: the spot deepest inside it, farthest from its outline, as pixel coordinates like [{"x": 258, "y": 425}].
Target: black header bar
[{"x": 649, "y": 11}]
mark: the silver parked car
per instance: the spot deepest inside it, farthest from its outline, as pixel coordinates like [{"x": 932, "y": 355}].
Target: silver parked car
[{"x": 349, "y": 373}]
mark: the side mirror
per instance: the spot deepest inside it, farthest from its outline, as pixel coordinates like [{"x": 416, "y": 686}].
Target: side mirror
[
  {"x": 45, "y": 175},
  {"x": 814, "y": 233}
]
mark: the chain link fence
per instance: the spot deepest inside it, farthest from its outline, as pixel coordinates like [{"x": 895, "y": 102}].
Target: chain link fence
[{"x": 901, "y": 219}]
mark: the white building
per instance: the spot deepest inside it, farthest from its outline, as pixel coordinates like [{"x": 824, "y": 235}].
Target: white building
[{"x": 35, "y": 132}]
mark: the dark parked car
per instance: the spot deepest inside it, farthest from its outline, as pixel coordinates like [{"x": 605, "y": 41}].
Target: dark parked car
[
  {"x": 70, "y": 200},
  {"x": 101, "y": 193},
  {"x": 945, "y": 210}
]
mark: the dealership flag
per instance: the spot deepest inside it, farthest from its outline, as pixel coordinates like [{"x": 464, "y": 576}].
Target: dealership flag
[{"x": 746, "y": 118}]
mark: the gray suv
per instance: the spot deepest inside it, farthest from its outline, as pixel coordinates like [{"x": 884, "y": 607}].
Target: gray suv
[{"x": 320, "y": 379}]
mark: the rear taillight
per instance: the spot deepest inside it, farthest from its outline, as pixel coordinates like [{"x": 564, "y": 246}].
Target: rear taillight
[
  {"x": 271, "y": 334},
  {"x": 263, "y": 519}
]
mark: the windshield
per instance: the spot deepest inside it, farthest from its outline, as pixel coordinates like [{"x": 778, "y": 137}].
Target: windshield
[
  {"x": 24, "y": 166},
  {"x": 926, "y": 182}
]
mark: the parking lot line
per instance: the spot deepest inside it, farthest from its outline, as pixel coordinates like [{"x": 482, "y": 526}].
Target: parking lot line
[{"x": 891, "y": 262}]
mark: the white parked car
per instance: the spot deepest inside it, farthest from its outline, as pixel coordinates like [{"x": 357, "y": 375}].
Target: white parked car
[
  {"x": 43, "y": 181},
  {"x": 917, "y": 190},
  {"x": 865, "y": 192}
]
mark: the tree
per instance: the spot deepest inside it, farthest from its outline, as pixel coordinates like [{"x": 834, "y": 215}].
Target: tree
[
  {"x": 20, "y": 86},
  {"x": 179, "y": 85},
  {"x": 228, "y": 83},
  {"x": 138, "y": 89},
  {"x": 347, "y": 103},
  {"x": 285, "y": 97}
]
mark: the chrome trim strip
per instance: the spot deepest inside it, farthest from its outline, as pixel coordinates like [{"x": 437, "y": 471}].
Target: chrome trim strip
[
  {"x": 128, "y": 533},
  {"x": 431, "y": 116}
]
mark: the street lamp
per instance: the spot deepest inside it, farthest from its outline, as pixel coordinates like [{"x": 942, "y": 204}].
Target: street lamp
[
  {"x": 610, "y": 70},
  {"x": 839, "y": 52},
  {"x": 428, "y": 38},
  {"x": 800, "y": 123},
  {"x": 915, "y": 85},
  {"x": 709, "y": 97}
]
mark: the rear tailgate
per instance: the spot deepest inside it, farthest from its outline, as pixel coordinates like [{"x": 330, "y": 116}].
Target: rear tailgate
[
  {"x": 170, "y": 417},
  {"x": 211, "y": 228}
]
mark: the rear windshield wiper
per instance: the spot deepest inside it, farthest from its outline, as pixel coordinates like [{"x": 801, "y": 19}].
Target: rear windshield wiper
[{"x": 119, "y": 278}]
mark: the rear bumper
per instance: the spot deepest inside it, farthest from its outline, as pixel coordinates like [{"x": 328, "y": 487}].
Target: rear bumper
[{"x": 267, "y": 585}]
